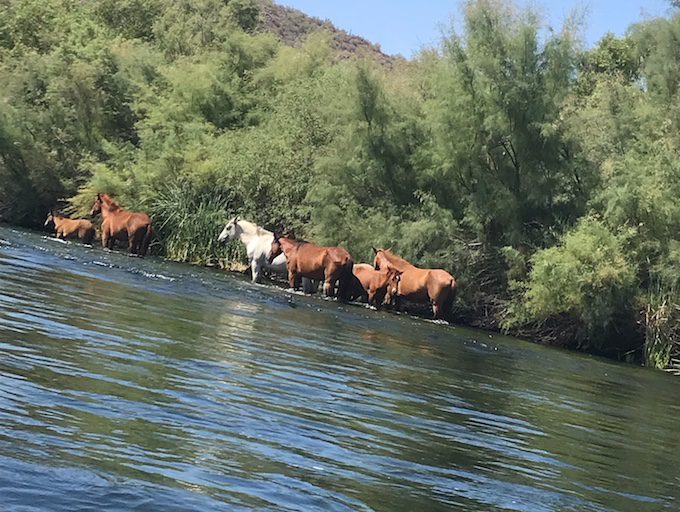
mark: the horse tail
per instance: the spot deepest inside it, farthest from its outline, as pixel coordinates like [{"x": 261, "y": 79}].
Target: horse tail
[
  {"x": 447, "y": 306},
  {"x": 345, "y": 281},
  {"x": 146, "y": 241}
]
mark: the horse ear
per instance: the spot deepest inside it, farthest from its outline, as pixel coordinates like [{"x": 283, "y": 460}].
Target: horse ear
[
  {"x": 375, "y": 251},
  {"x": 238, "y": 218},
  {"x": 235, "y": 220},
  {"x": 277, "y": 235}
]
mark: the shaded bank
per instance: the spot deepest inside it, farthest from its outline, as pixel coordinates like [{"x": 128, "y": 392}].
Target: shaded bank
[{"x": 542, "y": 175}]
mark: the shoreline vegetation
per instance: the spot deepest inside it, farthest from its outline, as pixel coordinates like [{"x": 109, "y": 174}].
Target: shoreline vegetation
[{"x": 543, "y": 175}]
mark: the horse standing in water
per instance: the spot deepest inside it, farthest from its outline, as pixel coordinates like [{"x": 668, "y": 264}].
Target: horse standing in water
[
  {"x": 119, "y": 224},
  {"x": 434, "y": 286},
  {"x": 305, "y": 259},
  {"x": 258, "y": 242},
  {"x": 66, "y": 227},
  {"x": 376, "y": 286}
]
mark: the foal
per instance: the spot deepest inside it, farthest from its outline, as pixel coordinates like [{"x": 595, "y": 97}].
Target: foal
[
  {"x": 377, "y": 286},
  {"x": 66, "y": 227}
]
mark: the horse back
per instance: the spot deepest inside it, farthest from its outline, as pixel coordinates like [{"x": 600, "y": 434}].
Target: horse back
[
  {"x": 313, "y": 260},
  {"x": 84, "y": 225},
  {"x": 138, "y": 220},
  {"x": 413, "y": 284},
  {"x": 337, "y": 255},
  {"x": 364, "y": 273},
  {"x": 74, "y": 226}
]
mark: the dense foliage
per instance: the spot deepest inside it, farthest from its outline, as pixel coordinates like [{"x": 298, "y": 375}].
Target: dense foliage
[{"x": 543, "y": 175}]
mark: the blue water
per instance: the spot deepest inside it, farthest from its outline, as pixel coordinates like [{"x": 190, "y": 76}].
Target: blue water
[{"x": 130, "y": 384}]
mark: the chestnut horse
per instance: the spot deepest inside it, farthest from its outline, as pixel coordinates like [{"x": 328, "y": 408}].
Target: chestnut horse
[
  {"x": 66, "y": 227},
  {"x": 434, "y": 286},
  {"x": 376, "y": 286},
  {"x": 305, "y": 259},
  {"x": 118, "y": 224}
]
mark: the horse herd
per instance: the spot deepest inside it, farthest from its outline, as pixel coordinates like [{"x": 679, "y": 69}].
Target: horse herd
[{"x": 388, "y": 280}]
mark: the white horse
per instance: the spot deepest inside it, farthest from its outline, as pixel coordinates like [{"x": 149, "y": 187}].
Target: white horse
[{"x": 258, "y": 242}]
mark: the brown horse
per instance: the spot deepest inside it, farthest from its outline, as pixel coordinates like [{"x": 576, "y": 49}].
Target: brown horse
[
  {"x": 305, "y": 259},
  {"x": 118, "y": 224},
  {"x": 66, "y": 227},
  {"x": 376, "y": 286},
  {"x": 433, "y": 286}
]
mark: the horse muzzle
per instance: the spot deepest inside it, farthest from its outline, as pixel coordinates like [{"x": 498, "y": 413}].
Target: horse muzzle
[{"x": 271, "y": 257}]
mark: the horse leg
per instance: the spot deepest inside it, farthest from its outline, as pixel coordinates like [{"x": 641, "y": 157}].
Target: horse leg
[
  {"x": 329, "y": 283},
  {"x": 132, "y": 246},
  {"x": 370, "y": 297},
  {"x": 105, "y": 238},
  {"x": 293, "y": 280},
  {"x": 397, "y": 304},
  {"x": 309, "y": 286},
  {"x": 436, "y": 310},
  {"x": 255, "y": 271}
]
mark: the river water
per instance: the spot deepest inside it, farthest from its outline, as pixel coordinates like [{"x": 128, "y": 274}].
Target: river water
[{"x": 130, "y": 384}]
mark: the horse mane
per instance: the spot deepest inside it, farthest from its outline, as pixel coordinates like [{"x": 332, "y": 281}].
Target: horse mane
[
  {"x": 394, "y": 258},
  {"x": 252, "y": 227},
  {"x": 110, "y": 202},
  {"x": 57, "y": 213},
  {"x": 295, "y": 241}
]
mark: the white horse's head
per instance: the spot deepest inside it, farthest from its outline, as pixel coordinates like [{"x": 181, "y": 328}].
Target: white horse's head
[{"x": 230, "y": 231}]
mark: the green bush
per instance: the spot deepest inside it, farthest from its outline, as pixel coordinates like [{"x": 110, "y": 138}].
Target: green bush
[
  {"x": 586, "y": 277},
  {"x": 190, "y": 220},
  {"x": 662, "y": 328}
]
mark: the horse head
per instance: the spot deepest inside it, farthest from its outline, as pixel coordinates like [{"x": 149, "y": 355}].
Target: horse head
[
  {"x": 276, "y": 248},
  {"x": 50, "y": 218},
  {"x": 393, "y": 278},
  {"x": 380, "y": 260},
  {"x": 230, "y": 231},
  {"x": 97, "y": 206}
]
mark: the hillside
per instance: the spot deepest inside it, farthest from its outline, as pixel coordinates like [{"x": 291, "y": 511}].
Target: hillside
[{"x": 291, "y": 26}]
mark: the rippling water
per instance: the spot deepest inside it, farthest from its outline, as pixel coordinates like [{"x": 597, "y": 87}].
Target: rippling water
[{"x": 130, "y": 384}]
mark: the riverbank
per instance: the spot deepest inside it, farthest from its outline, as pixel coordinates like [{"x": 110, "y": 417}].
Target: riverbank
[
  {"x": 487, "y": 314},
  {"x": 495, "y": 154}
]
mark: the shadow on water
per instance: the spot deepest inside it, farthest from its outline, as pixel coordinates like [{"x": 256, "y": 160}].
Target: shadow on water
[{"x": 130, "y": 384}]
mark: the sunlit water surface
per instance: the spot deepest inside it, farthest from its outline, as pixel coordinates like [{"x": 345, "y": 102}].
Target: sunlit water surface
[{"x": 130, "y": 384}]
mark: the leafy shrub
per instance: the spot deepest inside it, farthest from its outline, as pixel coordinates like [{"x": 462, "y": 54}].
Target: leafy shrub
[
  {"x": 586, "y": 277},
  {"x": 190, "y": 220}
]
